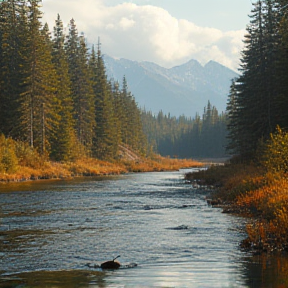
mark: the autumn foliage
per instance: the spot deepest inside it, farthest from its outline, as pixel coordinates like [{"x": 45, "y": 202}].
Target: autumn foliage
[
  {"x": 19, "y": 162},
  {"x": 270, "y": 202},
  {"x": 258, "y": 190}
]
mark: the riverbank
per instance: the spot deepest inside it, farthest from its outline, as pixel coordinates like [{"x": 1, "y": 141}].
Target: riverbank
[
  {"x": 94, "y": 167},
  {"x": 252, "y": 192}
]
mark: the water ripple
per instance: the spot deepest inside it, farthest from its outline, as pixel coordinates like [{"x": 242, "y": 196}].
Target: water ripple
[{"x": 152, "y": 219}]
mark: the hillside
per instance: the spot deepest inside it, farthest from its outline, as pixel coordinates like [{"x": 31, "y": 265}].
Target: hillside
[{"x": 183, "y": 89}]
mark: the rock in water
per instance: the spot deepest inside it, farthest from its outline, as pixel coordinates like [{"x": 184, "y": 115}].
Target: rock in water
[{"x": 111, "y": 264}]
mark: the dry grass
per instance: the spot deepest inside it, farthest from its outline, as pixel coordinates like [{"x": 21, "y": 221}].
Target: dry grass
[
  {"x": 94, "y": 167},
  {"x": 251, "y": 191},
  {"x": 270, "y": 204},
  {"x": 158, "y": 163}
]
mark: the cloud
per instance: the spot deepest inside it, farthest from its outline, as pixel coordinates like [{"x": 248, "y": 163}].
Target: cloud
[{"x": 146, "y": 33}]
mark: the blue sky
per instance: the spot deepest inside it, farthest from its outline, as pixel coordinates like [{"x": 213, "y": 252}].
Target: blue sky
[{"x": 167, "y": 32}]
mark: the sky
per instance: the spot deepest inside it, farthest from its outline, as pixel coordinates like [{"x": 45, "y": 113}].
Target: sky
[{"x": 166, "y": 32}]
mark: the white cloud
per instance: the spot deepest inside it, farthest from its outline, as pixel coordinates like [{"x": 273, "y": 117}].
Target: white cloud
[{"x": 147, "y": 33}]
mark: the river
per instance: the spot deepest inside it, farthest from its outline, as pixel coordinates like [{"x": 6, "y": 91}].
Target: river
[{"x": 52, "y": 233}]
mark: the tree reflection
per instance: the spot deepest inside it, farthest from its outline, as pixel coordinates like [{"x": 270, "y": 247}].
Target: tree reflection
[{"x": 267, "y": 270}]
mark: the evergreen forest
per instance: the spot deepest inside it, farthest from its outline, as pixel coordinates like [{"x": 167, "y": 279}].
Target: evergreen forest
[
  {"x": 57, "y": 100},
  {"x": 258, "y": 98},
  {"x": 185, "y": 137},
  {"x": 54, "y": 92}
]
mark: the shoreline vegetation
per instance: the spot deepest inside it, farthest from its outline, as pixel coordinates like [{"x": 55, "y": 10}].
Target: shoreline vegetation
[
  {"x": 93, "y": 167},
  {"x": 255, "y": 189},
  {"x": 19, "y": 162}
]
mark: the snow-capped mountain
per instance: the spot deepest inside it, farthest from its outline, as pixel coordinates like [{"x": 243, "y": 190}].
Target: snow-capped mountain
[{"x": 183, "y": 89}]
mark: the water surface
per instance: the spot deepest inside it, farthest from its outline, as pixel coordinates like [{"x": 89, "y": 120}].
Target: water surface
[{"x": 51, "y": 230}]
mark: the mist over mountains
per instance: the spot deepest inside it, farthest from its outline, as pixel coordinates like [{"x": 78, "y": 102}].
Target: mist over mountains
[{"x": 183, "y": 89}]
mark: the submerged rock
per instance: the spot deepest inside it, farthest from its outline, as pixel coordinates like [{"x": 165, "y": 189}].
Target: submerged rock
[{"x": 181, "y": 227}]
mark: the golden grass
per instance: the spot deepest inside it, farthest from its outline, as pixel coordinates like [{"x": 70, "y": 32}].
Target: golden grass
[
  {"x": 270, "y": 204},
  {"x": 94, "y": 167},
  {"x": 158, "y": 163},
  {"x": 251, "y": 191}
]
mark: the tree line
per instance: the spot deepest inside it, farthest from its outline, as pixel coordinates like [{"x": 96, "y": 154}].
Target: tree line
[
  {"x": 56, "y": 99},
  {"x": 187, "y": 137},
  {"x": 54, "y": 91},
  {"x": 258, "y": 98}
]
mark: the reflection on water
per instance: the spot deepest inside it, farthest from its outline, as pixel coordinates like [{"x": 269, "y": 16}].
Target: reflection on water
[
  {"x": 51, "y": 230},
  {"x": 265, "y": 271},
  {"x": 63, "y": 279}
]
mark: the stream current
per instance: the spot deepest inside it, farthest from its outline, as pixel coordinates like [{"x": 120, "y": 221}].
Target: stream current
[{"x": 52, "y": 233}]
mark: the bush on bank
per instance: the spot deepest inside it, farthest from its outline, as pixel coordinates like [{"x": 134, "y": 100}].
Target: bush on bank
[{"x": 259, "y": 190}]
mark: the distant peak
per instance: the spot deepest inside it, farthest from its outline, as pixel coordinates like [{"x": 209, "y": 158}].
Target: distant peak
[
  {"x": 216, "y": 65},
  {"x": 190, "y": 63},
  {"x": 213, "y": 63}
]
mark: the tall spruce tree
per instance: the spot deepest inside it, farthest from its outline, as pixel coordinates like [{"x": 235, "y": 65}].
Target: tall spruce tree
[
  {"x": 37, "y": 100},
  {"x": 118, "y": 110},
  {"x": 12, "y": 25},
  {"x": 105, "y": 145},
  {"x": 64, "y": 142},
  {"x": 82, "y": 91},
  {"x": 132, "y": 130},
  {"x": 232, "y": 119}
]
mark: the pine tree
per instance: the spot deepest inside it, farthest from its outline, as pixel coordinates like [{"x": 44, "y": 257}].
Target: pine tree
[
  {"x": 132, "y": 130},
  {"x": 11, "y": 49},
  {"x": 232, "y": 124},
  {"x": 82, "y": 91},
  {"x": 105, "y": 145},
  {"x": 37, "y": 101},
  {"x": 64, "y": 138},
  {"x": 118, "y": 110}
]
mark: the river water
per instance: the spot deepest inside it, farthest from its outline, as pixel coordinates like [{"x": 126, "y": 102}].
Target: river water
[{"x": 52, "y": 234}]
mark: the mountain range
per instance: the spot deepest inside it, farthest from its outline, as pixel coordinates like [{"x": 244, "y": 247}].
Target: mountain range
[{"x": 181, "y": 90}]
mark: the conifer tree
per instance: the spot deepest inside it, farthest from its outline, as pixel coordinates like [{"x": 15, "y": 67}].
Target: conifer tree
[
  {"x": 105, "y": 143},
  {"x": 64, "y": 138},
  {"x": 11, "y": 49},
  {"x": 131, "y": 119},
  {"x": 118, "y": 110},
  {"x": 232, "y": 119},
  {"x": 82, "y": 92},
  {"x": 37, "y": 108}
]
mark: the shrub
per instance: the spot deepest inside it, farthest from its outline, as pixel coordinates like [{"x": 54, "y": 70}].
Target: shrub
[
  {"x": 275, "y": 157},
  {"x": 8, "y": 158},
  {"x": 28, "y": 156}
]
